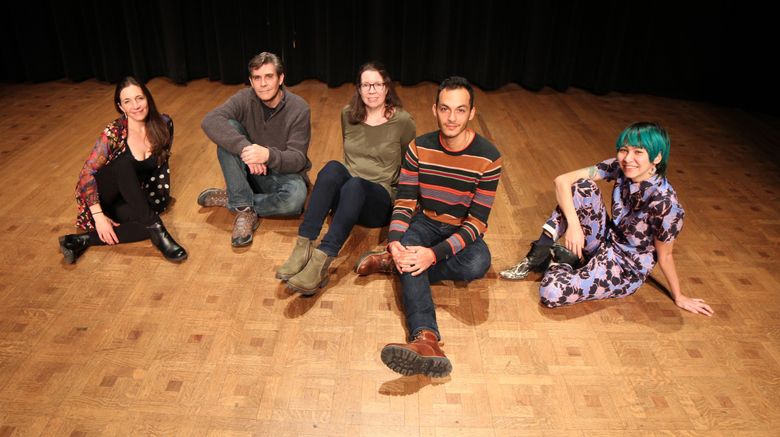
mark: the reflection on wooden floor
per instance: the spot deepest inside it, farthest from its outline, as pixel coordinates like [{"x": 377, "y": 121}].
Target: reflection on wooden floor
[{"x": 125, "y": 343}]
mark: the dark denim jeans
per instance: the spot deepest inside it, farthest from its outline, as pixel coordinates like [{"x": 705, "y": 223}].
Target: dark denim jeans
[
  {"x": 271, "y": 194},
  {"x": 353, "y": 201},
  {"x": 470, "y": 263}
]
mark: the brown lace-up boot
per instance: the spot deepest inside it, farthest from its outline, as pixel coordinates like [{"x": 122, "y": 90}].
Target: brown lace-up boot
[
  {"x": 243, "y": 227},
  {"x": 422, "y": 356},
  {"x": 213, "y": 197}
]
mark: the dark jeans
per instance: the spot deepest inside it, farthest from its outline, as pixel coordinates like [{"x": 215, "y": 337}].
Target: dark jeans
[
  {"x": 271, "y": 194},
  {"x": 353, "y": 201},
  {"x": 470, "y": 263},
  {"x": 123, "y": 201}
]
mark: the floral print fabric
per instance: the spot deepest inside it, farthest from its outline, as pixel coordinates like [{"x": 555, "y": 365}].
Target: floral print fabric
[
  {"x": 619, "y": 251},
  {"x": 109, "y": 146}
]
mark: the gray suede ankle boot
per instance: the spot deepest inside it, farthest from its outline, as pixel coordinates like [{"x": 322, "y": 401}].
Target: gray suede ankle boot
[
  {"x": 297, "y": 260},
  {"x": 314, "y": 276}
]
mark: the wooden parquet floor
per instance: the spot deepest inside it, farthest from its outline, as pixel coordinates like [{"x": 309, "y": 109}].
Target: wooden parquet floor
[{"x": 125, "y": 343}]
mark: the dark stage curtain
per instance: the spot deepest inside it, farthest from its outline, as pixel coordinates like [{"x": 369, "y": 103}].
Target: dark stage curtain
[{"x": 717, "y": 51}]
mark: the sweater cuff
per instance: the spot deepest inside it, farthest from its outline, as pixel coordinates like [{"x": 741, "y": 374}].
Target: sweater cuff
[
  {"x": 274, "y": 158},
  {"x": 442, "y": 250},
  {"x": 394, "y": 236}
]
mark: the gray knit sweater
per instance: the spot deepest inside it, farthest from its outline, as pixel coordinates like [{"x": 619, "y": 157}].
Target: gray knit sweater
[{"x": 286, "y": 134}]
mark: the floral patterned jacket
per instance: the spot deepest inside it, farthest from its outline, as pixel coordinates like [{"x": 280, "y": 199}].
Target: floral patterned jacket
[{"x": 110, "y": 145}]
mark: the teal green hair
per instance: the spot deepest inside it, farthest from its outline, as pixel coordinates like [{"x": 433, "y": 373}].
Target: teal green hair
[{"x": 649, "y": 136}]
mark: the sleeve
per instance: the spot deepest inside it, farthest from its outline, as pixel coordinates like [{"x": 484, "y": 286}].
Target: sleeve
[
  {"x": 158, "y": 185},
  {"x": 475, "y": 223},
  {"x": 667, "y": 220},
  {"x": 294, "y": 158},
  {"x": 408, "y": 133},
  {"x": 86, "y": 189},
  {"x": 609, "y": 169},
  {"x": 406, "y": 198},
  {"x": 344, "y": 123},
  {"x": 217, "y": 126}
]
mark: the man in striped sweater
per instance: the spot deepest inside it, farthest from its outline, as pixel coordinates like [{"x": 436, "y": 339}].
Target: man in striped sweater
[{"x": 445, "y": 192}]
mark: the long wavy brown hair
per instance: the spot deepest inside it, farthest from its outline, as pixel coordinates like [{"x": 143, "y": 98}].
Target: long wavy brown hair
[
  {"x": 156, "y": 129},
  {"x": 357, "y": 109}
]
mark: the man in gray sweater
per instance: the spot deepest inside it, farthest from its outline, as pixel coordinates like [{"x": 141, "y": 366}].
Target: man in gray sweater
[{"x": 262, "y": 135}]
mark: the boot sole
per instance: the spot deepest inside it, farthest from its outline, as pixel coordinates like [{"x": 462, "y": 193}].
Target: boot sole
[
  {"x": 515, "y": 277},
  {"x": 176, "y": 260},
  {"x": 70, "y": 257},
  {"x": 306, "y": 291},
  {"x": 406, "y": 362}
]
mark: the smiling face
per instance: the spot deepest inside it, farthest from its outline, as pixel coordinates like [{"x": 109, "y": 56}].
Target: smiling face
[
  {"x": 133, "y": 102},
  {"x": 373, "y": 90},
  {"x": 453, "y": 112},
  {"x": 267, "y": 84},
  {"x": 636, "y": 163}
]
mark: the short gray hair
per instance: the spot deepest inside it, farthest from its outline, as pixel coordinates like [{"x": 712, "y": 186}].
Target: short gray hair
[{"x": 266, "y": 58}]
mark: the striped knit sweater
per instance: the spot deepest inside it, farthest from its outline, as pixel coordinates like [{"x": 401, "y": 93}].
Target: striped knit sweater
[{"x": 457, "y": 188}]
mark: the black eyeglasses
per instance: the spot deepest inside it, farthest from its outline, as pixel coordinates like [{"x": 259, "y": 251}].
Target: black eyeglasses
[{"x": 378, "y": 87}]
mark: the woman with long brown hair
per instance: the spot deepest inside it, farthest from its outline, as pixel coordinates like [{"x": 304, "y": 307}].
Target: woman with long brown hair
[
  {"x": 360, "y": 190},
  {"x": 125, "y": 182}
]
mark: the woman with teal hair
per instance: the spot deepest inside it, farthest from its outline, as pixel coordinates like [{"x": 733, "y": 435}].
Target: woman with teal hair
[{"x": 603, "y": 257}]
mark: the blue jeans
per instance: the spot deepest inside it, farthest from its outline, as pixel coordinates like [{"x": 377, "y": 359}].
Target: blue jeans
[
  {"x": 271, "y": 194},
  {"x": 353, "y": 201},
  {"x": 470, "y": 263}
]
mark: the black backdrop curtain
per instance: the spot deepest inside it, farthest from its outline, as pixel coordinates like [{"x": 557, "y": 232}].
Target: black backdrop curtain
[{"x": 718, "y": 51}]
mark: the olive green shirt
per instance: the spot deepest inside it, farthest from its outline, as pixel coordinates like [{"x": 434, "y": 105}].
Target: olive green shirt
[{"x": 374, "y": 152}]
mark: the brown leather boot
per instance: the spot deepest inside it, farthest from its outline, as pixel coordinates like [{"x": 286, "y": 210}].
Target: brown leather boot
[
  {"x": 422, "y": 356},
  {"x": 375, "y": 262}
]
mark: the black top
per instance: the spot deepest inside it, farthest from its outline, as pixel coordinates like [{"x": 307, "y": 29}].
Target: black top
[{"x": 142, "y": 168}]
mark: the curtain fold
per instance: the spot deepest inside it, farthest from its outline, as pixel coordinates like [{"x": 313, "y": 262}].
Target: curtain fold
[{"x": 717, "y": 51}]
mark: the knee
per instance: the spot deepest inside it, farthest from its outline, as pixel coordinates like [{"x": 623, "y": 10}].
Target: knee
[
  {"x": 477, "y": 265},
  {"x": 121, "y": 164},
  {"x": 352, "y": 187},
  {"x": 475, "y": 271},
  {"x": 223, "y": 155},
  {"x": 550, "y": 295},
  {"x": 292, "y": 198},
  {"x": 331, "y": 173}
]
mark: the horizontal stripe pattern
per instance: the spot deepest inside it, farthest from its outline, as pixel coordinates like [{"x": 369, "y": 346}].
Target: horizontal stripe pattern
[{"x": 457, "y": 188}]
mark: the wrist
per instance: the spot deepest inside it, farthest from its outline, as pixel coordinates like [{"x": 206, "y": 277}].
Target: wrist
[{"x": 432, "y": 255}]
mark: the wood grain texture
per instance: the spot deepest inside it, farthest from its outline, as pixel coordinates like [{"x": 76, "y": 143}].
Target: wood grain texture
[{"x": 125, "y": 343}]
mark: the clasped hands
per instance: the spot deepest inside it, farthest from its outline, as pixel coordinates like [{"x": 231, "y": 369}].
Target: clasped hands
[
  {"x": 411, "y": 259},
  {"x": 256, "y": 158}
]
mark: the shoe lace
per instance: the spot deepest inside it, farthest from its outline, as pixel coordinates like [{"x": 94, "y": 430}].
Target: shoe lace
[
  {"x": 244, "y": 219},
  {"x": 420, "y": 337}
]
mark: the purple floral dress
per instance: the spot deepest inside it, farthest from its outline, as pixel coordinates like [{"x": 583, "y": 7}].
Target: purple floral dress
[{"x": 619, "y": 251}]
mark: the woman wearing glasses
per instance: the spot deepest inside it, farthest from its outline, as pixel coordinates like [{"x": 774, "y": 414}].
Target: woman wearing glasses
[{"x": 360, "y": 190}]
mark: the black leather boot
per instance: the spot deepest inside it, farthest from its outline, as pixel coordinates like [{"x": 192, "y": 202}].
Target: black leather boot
[
  {"x": 562, "y": 255},
  {"x": 167, "y": 245},
  {"x": 73, "y": 245}
]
